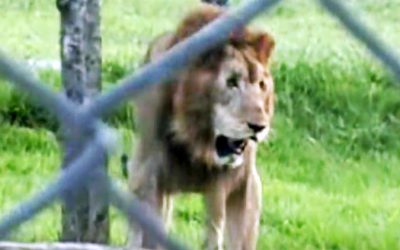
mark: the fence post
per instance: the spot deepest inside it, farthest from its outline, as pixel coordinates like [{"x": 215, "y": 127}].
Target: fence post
[{"x": 84, "y": 212}]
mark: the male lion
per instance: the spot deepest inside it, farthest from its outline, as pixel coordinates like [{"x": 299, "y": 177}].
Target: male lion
[{"x": 199, "y": 133}]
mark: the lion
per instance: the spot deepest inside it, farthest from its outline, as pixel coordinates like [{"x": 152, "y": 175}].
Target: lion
[{"x": 199, "y": 133}]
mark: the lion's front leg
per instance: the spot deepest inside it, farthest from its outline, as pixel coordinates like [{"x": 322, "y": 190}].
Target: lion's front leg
[
  {"x": 243, "y": 210},
  {"x": 215, "y": 203},
  {"x": 143, "y": 182},
  {"x": 147, "y": 194},
  {"x": 167, "y": 206}
]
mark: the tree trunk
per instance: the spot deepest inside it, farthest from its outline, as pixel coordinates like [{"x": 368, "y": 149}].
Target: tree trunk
[
  {"x": 93, "y": 47},
  {"x": 84, "y": 212}
]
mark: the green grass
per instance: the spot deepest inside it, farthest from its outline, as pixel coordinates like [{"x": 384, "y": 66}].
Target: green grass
[{"x": 330, "y": 172}]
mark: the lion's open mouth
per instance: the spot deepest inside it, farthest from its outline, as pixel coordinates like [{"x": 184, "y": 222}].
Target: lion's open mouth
[{"x": 226, "y": 146}]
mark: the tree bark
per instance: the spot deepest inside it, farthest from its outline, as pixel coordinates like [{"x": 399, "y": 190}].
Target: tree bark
[
  {"x": 93, "y": 47},
  {"x": 84, "y": 212}
]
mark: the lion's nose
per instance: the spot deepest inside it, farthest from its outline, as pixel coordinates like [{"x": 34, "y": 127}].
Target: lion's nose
[{"x": 255, "y": 127}]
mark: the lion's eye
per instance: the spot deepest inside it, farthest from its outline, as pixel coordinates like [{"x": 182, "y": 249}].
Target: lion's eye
[{"x": 233, "y": 81}]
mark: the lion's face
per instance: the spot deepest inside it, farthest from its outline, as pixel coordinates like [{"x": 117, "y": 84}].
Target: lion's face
[
  {"x": 225, "y": 98},
  {"x": 243, "y": 106}
]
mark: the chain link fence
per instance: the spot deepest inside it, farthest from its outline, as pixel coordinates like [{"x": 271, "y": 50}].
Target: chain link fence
[{"x": 85, "y": 122}]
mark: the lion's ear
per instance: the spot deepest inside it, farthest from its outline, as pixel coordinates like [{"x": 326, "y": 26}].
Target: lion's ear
[{"x": 263, "y": 44}]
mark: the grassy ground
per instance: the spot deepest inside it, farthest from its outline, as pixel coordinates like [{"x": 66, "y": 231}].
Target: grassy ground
[{"x": 331, "y": 170}]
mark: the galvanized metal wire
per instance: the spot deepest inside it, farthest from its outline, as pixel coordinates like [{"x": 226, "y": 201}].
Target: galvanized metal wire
[
  {"x": 387, "y": 55},
  {"x": 86, "y": 120}
]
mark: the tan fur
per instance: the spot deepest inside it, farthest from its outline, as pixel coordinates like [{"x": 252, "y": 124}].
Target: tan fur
[{"x": 180, "y": 121}]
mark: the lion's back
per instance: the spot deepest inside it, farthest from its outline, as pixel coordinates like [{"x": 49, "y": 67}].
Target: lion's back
[{"x": 149, "y": 105}]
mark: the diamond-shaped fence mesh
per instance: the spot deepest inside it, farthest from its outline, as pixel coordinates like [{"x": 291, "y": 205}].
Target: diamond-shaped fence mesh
[{"x": 100, "y": 139}]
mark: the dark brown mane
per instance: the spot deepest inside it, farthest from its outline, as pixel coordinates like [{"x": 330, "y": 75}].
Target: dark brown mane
[
  {"x": 190, "y": 96},
  {"x": 196, "y": 20},
  {"x": 261, "y": 43}
]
